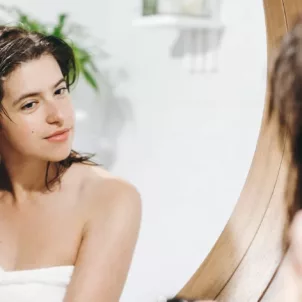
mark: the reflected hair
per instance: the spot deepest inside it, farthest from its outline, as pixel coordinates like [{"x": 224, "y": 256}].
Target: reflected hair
[
  {"x": 285, "y": 104},
  {"x": 18, "y": 46}
]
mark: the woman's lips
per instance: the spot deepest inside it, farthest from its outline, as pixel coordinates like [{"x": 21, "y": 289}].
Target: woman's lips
[{"x": 59, "y": 136}]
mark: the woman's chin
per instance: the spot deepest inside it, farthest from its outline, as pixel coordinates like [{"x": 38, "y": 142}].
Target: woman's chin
[{"x": 59, "y": 156}]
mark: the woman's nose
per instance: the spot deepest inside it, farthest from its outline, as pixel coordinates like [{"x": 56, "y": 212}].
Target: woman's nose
[{"x": 54, "y": 114}]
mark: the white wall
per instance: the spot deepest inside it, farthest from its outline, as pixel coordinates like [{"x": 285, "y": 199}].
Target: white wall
[{"x": 185, "y": 140}]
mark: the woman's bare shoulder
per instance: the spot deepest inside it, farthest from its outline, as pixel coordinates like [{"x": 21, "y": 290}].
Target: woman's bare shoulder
[
  {"x": 97, "y": 177},
  {"x": 112, "y": 216},
  {"x": 100, "y": 189}
]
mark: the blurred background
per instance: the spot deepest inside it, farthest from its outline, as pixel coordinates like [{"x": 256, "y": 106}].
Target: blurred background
[{"x": 156, "y": 114}]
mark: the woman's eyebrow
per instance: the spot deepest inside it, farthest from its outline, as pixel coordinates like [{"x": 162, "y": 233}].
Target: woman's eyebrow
[{"x": 32, "y": 94}]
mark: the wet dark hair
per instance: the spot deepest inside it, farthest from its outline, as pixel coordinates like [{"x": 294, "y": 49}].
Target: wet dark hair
[
  {"x": 285, "y": 104},
  {"x": 17, "y": 46}
]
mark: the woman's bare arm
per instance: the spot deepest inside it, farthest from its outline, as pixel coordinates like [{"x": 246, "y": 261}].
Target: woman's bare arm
[{"x": 108, "y": 244}]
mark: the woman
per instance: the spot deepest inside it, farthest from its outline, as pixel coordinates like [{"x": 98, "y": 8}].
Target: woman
[
  {"x": 286, "y": 106},
  {"x": 68, "y": 228}
]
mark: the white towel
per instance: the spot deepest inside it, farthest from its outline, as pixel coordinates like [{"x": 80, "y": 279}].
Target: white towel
[{"x": 37, "y": 285}]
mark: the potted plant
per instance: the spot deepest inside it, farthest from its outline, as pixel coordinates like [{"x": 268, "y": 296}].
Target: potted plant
[{"x": 64, "y": 30}]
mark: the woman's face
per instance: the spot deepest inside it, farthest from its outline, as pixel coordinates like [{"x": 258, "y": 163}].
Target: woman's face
[{"x": 38, "y": 104}]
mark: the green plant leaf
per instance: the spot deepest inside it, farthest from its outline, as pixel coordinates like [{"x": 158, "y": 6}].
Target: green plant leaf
[
  {"x": 89, "y": 78},
  {"x": 31, "y": 25},
  {"x": 84, "y": 60},
  {"x": 58, "y": 29},
  {"x": 93, "y": 66},
  {"x": 83, "y": 54}
]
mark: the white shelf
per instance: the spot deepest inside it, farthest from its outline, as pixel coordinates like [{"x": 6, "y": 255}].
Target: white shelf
[{"x": 183, "y": 22}]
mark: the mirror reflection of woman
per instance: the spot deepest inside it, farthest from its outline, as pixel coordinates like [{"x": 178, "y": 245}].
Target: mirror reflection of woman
[
  {"x": 286, "y": 106},
  {"x": 68, "y": 228}
]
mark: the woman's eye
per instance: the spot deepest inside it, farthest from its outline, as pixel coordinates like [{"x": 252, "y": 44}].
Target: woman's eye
[
  {"x": 61, "y": 91},
  {"x": 28, "y": 106}
]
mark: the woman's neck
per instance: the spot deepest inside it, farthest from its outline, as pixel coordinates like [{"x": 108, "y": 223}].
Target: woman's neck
[{"x": 25, "y": 178}]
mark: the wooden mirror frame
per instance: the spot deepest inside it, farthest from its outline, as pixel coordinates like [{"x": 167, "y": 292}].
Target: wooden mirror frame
[{"x": 245, "y": 264}]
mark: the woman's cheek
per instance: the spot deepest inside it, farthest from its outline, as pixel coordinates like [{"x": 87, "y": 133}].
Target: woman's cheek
[{"x": 24, "y": 131}]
